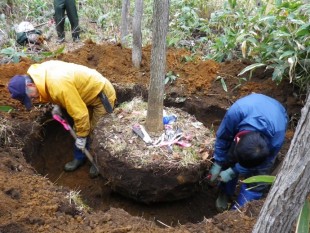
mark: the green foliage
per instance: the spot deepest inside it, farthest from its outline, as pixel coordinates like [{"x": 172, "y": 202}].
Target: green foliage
[
  {"x": 303, "y": 219},
  {"x": 7, "y": 109},
  {"x": 35, "y": 11},
  {"x": 260, "y": 179},
  {"x": 240, "y": 80},
  {"x": 12, "y": 54},
  {"x": 170, "y": 77},
  {"x": 232, "y": 3},
  {"x": 55, "y": 53},
  {"x": 278, "y": 39},
  {"x": 222, "y": 80},
  {"x": 184, "y": 20}
]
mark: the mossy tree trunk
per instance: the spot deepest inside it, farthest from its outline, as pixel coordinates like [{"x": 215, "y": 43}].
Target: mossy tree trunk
[
  {"x": 154, "y": 122},
  {"x": 292, "y": 185},
  {"x": 137, "y": 34}
]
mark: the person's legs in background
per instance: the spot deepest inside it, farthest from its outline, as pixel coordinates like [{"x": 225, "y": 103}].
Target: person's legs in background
[
  {"x": 73, "y": 18},
  {"x": 59, "y": 17}
]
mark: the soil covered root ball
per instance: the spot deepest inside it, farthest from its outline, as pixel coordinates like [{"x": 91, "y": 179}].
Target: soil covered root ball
[{"x": 165, "y": 166}]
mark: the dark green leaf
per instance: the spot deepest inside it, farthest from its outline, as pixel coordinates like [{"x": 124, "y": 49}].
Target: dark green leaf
[
  {"x": 286, "y": 54},
  {"x": 303, "y": 30},
  {"x": 303, "y": 219}
]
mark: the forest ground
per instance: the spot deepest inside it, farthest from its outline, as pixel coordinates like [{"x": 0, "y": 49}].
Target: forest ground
[{"x": 34, "y": 200}]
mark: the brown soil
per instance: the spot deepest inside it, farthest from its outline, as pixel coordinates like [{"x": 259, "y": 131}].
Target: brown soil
[{"x": 35, "y": 192}]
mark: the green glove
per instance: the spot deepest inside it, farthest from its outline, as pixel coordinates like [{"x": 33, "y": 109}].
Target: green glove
[
  {"x": 227, "y": 175},
  {"x": 214, "y": 171}
]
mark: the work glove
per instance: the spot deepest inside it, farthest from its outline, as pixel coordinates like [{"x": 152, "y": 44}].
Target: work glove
[
  {"x": 56, "y": 110},
  {"x": 80, "y": 143},
  {"x": 214, "y": 171},
  {"x": 227, "y": 175}
]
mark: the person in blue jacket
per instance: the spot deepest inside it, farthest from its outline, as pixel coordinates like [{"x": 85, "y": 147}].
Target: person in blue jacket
[{"x": 247, "y": 143}]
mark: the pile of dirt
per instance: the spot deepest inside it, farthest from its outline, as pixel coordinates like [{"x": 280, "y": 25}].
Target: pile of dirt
[{"x": 32, "y": 203}]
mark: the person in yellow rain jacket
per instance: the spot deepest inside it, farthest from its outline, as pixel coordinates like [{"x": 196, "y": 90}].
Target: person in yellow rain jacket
[{"x": 83, "y": 92}]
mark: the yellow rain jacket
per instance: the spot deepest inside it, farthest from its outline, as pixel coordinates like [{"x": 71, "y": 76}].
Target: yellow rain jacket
[{"x": 73, "y": 87}]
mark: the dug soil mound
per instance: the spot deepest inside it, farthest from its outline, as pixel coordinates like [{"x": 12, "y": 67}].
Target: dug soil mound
[
  {"x": 164, "y": 166},
  {"x": 37, "y": 196}
]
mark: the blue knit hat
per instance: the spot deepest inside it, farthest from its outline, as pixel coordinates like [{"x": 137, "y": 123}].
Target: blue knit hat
[{"x": 17, "y": 88}]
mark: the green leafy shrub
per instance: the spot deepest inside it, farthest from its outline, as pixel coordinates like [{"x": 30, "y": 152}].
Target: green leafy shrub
[{"x": 279, "y": 39}]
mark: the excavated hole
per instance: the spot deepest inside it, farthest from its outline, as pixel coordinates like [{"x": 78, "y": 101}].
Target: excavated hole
[{"x": 49, "y": 156}]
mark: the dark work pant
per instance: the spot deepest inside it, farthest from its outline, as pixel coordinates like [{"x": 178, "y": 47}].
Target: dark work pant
[
  {"x": 60, "y": 7},
  {"x": 257, "y": 189},
  {"x": 78, "y": 154}
]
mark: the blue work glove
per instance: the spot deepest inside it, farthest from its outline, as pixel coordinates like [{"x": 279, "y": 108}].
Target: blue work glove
[
  {"x": 214, "y": 171},
  {"x": 56, "y": 110},
  {"x": 80, "y": 143},
  {"x": 227, "y": 175}
]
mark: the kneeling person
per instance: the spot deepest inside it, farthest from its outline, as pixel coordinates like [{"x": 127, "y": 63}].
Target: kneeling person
[
  {"x": 83, "y": 92},
  {"x": 247, "y": 143}
]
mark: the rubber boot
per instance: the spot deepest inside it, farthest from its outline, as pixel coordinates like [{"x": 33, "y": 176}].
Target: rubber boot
[
  {"x": 93, "y": 172},
  {"x": 73, "y": 165},
  {"x": 221, "y": 202},
  {"x": 245, "y": 196}
]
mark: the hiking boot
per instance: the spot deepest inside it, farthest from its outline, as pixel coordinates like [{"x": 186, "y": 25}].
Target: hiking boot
[
  {"x": 221, "y": 202},
  {"x": 73, "y": 165},
  {"x": 76, "y": 39},
  {"x": 93, "y": 172}
]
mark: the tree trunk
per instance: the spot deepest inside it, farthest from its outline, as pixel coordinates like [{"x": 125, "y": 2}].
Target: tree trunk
[
  {"x": 292, "y": 184},
  {"x": 137, "y": 34},
  {"x": 124, "y": 22},
  {"x": 154, "y": 122}
]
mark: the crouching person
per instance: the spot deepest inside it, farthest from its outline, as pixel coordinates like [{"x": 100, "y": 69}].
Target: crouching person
[
  {"x": 83, "y": 92},
  {"x": 247, "y": 143}
]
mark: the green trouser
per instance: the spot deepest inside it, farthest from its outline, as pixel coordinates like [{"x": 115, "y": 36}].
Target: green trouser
[{"x": 60, "y": 7}]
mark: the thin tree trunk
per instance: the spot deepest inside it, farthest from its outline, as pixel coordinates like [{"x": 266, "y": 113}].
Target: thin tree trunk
[
  {"x": 292, "y": 184},
  {"x": 154, "y": 122},
  {"x": 124, "y": 22},
  {"x": 137, "y": 34}
]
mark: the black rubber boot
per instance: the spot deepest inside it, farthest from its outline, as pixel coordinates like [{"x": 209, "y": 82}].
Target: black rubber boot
[
  {"x": 73, "y": 165},
  {"x": 93, "y": 172},
  {"x": 221, "y": 202}
]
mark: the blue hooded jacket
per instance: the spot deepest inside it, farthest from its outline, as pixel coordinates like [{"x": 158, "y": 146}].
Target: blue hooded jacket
[{"x": 255, "y": 112}]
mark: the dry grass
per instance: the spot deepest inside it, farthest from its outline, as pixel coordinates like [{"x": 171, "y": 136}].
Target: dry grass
[
  {"x": 75, "y": 198},
  {"x": 7, "y": 134},
  {"x": 118, "y": 138}
]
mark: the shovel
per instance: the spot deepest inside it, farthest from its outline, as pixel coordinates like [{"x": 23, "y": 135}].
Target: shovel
[{"x": 67, "y": 127}]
